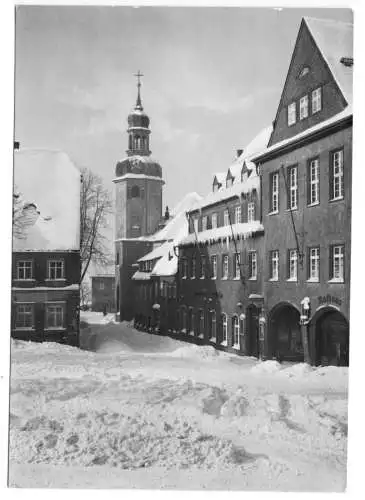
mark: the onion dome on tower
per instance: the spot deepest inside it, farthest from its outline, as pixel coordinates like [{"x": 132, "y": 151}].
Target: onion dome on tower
[{"x": 138, "y": 160}]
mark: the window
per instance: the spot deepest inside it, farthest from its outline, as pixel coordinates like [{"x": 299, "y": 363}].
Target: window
[
  {"x": 316, "y": 100},
  {"x": 313, "y": 182},
  {"x": 117, "y": 259},
  {"x": 229, "y": 182},
  {"x": 293, "y": 265},
  {"x": 214, "y": 221},
  {"x": 54, "y": 316},
  {"x": 101, "y": 285},
  {"x": 204, "y": 223},
  {"x": 193, "y": 268},
  {"x": 337, "y": 263},
  {"x": 213, "y": 331},
  {"x": 191, "y": 321},
  {"x": 250, "y": 211},
  {"x": 201, "y": 323},
  {"x": 274, "y": 197},
  {"x": 252, "y": 265},
  {"x": 292, "y": 118},
  {"x": 237, "y": 214},
  {"x": 184, "y": 268},
  {"x": 213, "y": 260},
  {"x": 303, "y": 107},
  {"x": 224, "y": 328},
  {"x": 313, "y": 267},
  {"x": 196, "y": 225},
  {"x": 226, "y": 218},
  {"x": 24, "y": 269},
  {"x": 203, "y": 266},
  {"x": 183, "y": 319},
  {"x": 292, "y": 188},
  {"x": 224, "y": 266},
  {"x": 135, "y": 193},
  {"x": 236, "y": 332},
  {"x": 242, "y": 324},
  {"x": 274, "y": 265},
  {"x": 24, "y": 316},
  {"x": 237, "y": 265},
  {"x": 336, "y": 176},
  {"x": 55, "y": 269}
]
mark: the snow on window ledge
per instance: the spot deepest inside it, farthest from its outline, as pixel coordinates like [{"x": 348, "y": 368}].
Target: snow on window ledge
[
  {"x": 224, "y": 343},
  {"x": 55, "y": 328},
  {"x": 336, "y": 280},
  {"x": 314, "y": 204},
  {"x": 292, "y": 280},
  {"x": 213, "y": 340},
  {"x": 224, "y": 277},
  {"x": 274, "y": 279},
  {"x": 201, "y": 335},
  {"x": 236, "y": 346},
  {"x": 313, "y": 280},
  {"x": 27, "y": 280},
  {"x": 25, "y": 328},
  {"x": 191, "y": 333},
  {"x": 253, "y": 278},
  {"x": 236, "y": 278},
  {"x": 338, "y": 198},
  {"x": 274, "y": 212}
]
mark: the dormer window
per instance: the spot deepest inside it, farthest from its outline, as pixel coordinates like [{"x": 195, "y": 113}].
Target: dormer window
[
  {"x": 303, "y": 107},
  {"x": 316, "y": 100},
  {"x": 292, "y": 116},
  {"x": 304, "y": 71},
  {"x": 229, "y": 182}
]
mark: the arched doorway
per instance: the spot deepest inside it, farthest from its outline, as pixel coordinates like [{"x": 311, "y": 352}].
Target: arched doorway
[
  {"x": 284, "y": 333},
  {"x": 332, "y": 338},
  {"x": 252, "y": 342}
]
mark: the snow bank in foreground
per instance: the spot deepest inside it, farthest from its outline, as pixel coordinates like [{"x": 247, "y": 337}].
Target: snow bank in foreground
[{"x": 197, "y": 352}]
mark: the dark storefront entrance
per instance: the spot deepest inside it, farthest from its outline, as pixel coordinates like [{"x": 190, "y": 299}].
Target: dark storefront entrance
[
  {"x": 284, "y": 332},
  {"x": 332, "y": 339}
]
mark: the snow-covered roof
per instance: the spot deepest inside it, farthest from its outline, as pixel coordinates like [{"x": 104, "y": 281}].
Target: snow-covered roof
[
  {"x": 139, "y": 275},
  {"x": 167, "y": 265},
  {"x": 177, "y": 227},
  {"x": 335, "y": 41},
  {"x": 220, "y": 177},
  {"x": 346, "y": 113},
  {"x": 243, "y": 229},
  {"x": 156, "y": 253},
  {"x": 51, "y": 181},
  {"x": 237, "y": 189}
]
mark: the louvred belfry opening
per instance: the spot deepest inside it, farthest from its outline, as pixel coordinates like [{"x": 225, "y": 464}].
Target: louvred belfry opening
[{"x": 138, "y": 126}]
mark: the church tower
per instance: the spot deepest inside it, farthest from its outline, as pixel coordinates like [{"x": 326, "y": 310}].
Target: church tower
[
  {"x": 138, "y": 203},
  {"x": 138, "y": 179}
]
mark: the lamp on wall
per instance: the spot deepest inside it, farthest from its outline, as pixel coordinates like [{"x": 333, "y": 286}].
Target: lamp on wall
[{"x": 305, "y": 308}]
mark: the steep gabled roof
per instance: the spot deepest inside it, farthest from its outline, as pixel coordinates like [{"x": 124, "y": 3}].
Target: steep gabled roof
[{"x": 334, "y": 40}]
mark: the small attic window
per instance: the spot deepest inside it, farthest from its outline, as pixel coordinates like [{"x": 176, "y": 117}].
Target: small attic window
[
  {"x": 347, "y": 61},
  {"x": 304, "y": 71}
]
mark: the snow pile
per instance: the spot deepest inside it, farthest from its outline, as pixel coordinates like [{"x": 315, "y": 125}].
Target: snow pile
[
  {"x": 189, "y": 351},
  {"x": 297, "y": 370},
  {"x": 266, "y": 367}
]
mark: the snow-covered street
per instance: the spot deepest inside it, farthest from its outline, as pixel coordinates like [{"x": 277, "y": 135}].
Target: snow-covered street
[{"x": 140, "y": 410}]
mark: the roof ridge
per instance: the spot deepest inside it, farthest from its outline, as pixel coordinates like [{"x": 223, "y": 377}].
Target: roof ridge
[{"x": 330, "y": 21}]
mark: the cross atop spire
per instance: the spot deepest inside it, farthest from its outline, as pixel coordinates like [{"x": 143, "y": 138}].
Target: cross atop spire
[{"x": 139, "y": 102}]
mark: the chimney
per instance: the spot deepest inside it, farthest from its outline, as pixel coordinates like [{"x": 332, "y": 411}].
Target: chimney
[{"x": 239, "y": 152}]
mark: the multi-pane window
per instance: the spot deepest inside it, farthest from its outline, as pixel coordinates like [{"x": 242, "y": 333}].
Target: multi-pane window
[
  {"x": 184, "y": 268},
  {"x": 313, "y": 264},
  {"x": 201, "y": 322},
  {"x": 204, "y": 223},
  {"x": 191, "y": 320},
  {"x": 337, "y": 263},
  {"x": 236, "y": 331},
  {"x": 316, "y": 100},
  {"x": 213, "y": 331},
  {"x": 202, "y": 266},
  {"x": 193, "y": 268},
  {"x": 293, "y": 265},
  {"x": 237, "y": 214},
  {"x": 55, "y": 269},
  {"x": 213, "y": 261},
  {"x": 24, "y": 316},
  {"x": 274, "y": 198},
  {"x": 336, "y": 176},
  {"x": 237, "y": 265},
  {"x": 292, "y": 116},
  {"x": 224, "y": 328},
  {"x": 196, "y": 225},
  {"x": 54, "y": 316},
  {"x": 225, "y": 266},
  {"x": 214, "y": 221},
  {"x": 250, "y": 211},
  {"x": 313, "y": 182},
  {"x": 252, "y": 264},
  {"x": 274, "y": 265},
  {"x": 303, "y": 107},
  {"x": 226, "y": 218},
  {"x": 293, "y": 188},
  {"x": 24, "y": 270}
]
